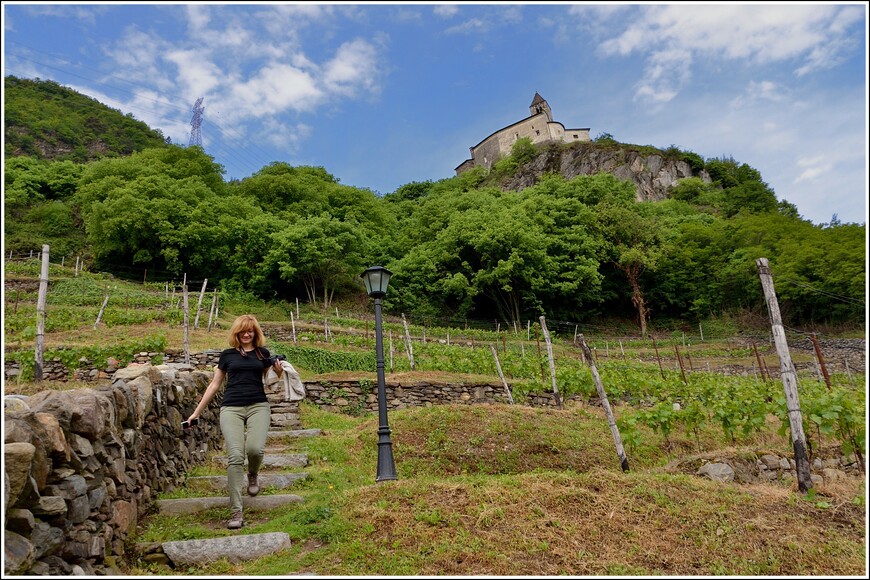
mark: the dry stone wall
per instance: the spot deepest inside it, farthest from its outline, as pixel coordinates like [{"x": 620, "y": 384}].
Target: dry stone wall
[{"x": 81, "y": 466}]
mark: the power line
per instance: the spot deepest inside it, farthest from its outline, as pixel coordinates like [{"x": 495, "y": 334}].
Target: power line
[{"x": 823, "y": 292}]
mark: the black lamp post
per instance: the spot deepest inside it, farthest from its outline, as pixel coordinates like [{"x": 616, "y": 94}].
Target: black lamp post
[{"x": 376, "y": 280}]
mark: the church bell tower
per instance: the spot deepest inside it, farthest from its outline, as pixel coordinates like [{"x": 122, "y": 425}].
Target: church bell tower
[{"x": 539, "y": 105}]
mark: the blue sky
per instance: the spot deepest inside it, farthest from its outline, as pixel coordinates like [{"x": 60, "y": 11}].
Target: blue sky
[{"x": 383, "y": 94}]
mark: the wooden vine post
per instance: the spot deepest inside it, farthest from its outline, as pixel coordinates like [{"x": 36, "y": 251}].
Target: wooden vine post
[
  {"x": 541, "y": 364},
  {"x": 760, "y": 364},
  {"x": 100, "y": 313},
  {"x": 602, "y": 394},
  {"x": 408, "y": 346},
  {"x": 789, "y": 379},
  {"x": 199, "y": 304},
  {"x": 39, "y": 347},
  {"x": 821, "y": 359},
  {"x": 186, "y": 326},
  {"x": 680, "y": 363},
  {"x": 391, "y": 351},
  {"x": 211, "y": 310},
  {"x": 658, "y": 358},
  {"x": 501, "y": 374},
  {"x": 552, "y": 363}
]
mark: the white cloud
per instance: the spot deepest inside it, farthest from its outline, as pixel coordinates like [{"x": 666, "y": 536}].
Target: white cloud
[
  {"x": 274, "y": 89},
  {"x": 136, "y": 54},
  {"x": 250, "y": 68},
  {"x": 137, "y": 57},
  {"x": 86, "y": 14},
  {"x": 354, "y": 67},
  {"x": 471, "y": 26},
  {"x": 285, "y": 137},
  {"x": 198, "y": 17},
  {"x": 667, "y": 71},
  {"x": 285, "y": 20},
  {"x": 512, "y": 15},
  {"x": 197, "y": 75},
  {"x": 446, "y": 10},
  {"x": 758, "y": 34},
  {"x": 759, "y": 91},
  {"x": 812, "y": 168}
]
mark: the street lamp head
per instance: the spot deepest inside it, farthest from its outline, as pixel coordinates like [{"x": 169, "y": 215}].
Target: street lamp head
[{"x": 376, "y": 280}]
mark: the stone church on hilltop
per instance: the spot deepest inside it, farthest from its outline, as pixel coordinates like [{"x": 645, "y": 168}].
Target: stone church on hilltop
[{"x": 539, "y": 127}]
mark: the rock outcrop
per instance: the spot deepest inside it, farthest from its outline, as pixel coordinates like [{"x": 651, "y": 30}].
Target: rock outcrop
[{"x": 652, "y": 174}]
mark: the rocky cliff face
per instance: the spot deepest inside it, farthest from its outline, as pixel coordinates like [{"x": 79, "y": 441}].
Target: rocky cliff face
[{"x": 652, "y": 174}]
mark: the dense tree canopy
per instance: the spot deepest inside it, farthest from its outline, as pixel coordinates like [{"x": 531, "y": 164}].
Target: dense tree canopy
[{"x": 572, "y": 249}]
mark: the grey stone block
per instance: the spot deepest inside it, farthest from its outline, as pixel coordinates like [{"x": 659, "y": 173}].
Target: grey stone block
[{"x": 235, "y": 548}]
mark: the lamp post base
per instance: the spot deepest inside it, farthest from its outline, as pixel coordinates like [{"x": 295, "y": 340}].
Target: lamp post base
[{"x": 386, "y": 467}]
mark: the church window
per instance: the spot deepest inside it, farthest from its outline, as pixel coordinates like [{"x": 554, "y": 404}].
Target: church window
[
  {"x": 537, "y": 132},
  {"x": 576, "y": 136}
]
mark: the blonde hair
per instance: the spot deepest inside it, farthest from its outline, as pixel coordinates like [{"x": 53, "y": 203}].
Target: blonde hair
[{"x": 243, "y": 323}]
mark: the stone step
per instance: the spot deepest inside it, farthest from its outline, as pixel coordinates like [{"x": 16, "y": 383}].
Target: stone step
[
  {"x": 236, "y": 548},
  {"x": 295, "y": 433},
  {"x": 279, "y": 421},
  {"x": 219, "y": 482},
  {"x": 276, "y": 460},
  {"x": 190, "y": 505}
]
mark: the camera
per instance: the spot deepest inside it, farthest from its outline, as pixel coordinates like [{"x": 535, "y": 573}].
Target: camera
[
  {"x": 276, "y": 358},
  {"x": 189, "y": 424}
]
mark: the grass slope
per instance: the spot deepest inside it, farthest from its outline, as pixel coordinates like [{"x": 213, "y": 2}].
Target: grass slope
[{"x": 511, "y": 490}]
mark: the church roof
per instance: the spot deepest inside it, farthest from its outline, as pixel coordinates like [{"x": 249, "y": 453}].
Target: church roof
[{"x": 538, "y": 99}]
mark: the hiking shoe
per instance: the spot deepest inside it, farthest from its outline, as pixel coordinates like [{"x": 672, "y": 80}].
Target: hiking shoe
[
  {"x": 253, "y": 485},
  {"x": 236, "y": 521}
]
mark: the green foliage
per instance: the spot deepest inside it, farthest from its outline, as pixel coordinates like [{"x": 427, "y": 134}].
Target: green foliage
[
  {"x": 323, "y": 251},
  {"x": 46, "y": 120},
  {"x": 692, "y": 190},
  {"x": 322, "y": 361},
  {"x": 695, "y": 161},
  {"x": 523, "y": 151},
  {"x": 832, "y": 414},
  {"x": 605, "y": 139},
  {"x": 505, "y": 166},
  {"x": 122, "y": 351},
  {"x": 459, "y": 247}
]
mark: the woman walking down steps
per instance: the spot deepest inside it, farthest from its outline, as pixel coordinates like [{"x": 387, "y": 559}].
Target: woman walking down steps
[{"x": 245, "y": 411}]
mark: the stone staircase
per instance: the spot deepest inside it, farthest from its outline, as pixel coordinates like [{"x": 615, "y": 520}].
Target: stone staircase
[{"x": 210, "y": 492}]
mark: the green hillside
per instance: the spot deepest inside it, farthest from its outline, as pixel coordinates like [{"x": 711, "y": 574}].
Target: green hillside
[
  {"x": 48, "y": 121},
  {"x": 577, "y": 249}
]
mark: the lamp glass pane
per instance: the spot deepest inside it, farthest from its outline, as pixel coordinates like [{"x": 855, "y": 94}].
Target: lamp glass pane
[
  {"x": 385, "y": 280},
  {"x": 374, "y": 278}
]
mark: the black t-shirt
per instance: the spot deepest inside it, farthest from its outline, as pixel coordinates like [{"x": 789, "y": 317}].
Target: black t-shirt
[{"x": 244, "y": 377}]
